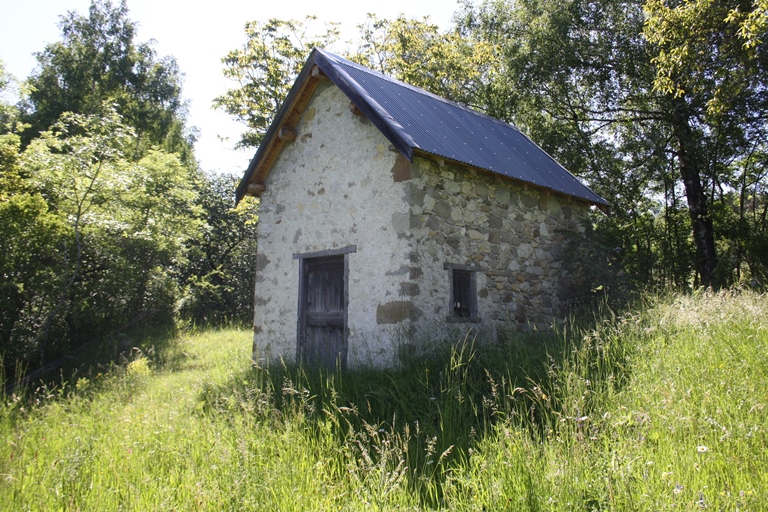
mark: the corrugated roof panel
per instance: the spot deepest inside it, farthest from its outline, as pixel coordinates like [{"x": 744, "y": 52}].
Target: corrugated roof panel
[{"x": 421, "y": 120}]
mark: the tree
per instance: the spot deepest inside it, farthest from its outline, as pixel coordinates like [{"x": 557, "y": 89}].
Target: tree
[
  {"x": 265, "y": 69},
  {"x": 91, "y": 240},
  {"x": 8, "y": 113},
  {"x": 712, "y": 67},
  {"x": 591, "y": 78},
  {"x": 30, "y": 269},
  {"x": 449, "y": 64},
  {"x": 219, "y": 279},
  {"x": 98, "y": 63}
]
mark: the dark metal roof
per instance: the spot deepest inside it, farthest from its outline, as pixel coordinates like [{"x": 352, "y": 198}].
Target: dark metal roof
[{"x": 414, "y": 119}]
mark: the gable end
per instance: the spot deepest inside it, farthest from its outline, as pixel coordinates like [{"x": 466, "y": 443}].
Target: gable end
[{"x": 281, "y": 131}]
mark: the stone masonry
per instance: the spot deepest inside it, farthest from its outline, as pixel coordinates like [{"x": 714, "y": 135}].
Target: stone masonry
[
  {"x": 511, "y": 235},
  {"x": 339, "y": 185}
]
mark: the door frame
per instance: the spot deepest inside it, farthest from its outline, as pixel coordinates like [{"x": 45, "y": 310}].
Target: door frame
[{"x": 304, "y": 262}]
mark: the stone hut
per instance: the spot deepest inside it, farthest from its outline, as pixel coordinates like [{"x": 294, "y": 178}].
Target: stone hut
[{"x": 388, "y": 213}]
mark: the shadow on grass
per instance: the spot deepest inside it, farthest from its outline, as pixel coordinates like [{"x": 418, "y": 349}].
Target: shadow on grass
[
  {"x": 427, "y": 414},
  {"x": 157, "y": 344}
]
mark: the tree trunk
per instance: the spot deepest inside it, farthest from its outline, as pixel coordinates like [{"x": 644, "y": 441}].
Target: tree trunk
[{"x": 691, "y": 163}]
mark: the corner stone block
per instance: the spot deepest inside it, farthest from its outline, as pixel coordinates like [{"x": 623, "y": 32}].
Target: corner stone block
[
  {"x": 401, "y": 222},
  {"x": 396, "y": 311},
  {"x": 401, "y": 170}
]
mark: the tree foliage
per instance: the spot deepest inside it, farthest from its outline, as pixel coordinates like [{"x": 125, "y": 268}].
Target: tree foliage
[
  {"x": 265, "y": 69},
  {"x": 8, "y": 113},
  {"x": 98, "y": 63},
  {"x": 219, "y": 278},
  {"x": 604, "y": 87},
  {"x": 103, "y": 211},
  {"x": 417, "y": 52},
  {"x": 95, "y": 235}
]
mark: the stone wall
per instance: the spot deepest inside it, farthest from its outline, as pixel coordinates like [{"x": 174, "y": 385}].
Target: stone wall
[
  {"x": 513, "y": 235},
  {"x": 335, "y": 186},
  {"x": 338, "y": 185}
]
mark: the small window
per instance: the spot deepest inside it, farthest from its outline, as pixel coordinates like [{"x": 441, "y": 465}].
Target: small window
[{"x": 463, "y": 304}]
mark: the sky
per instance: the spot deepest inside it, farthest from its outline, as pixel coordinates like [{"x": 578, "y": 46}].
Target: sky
[{"x": 198, "y": 36}]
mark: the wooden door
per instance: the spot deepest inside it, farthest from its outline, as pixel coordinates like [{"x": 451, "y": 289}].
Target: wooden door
[{"x": 322, "y": 312}]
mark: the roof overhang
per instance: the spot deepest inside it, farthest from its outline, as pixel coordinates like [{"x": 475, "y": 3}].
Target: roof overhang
[{"x": 282, "y": 130}]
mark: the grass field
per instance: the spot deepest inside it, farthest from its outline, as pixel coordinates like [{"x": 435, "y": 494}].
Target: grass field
[{"x": 663, "y": 407}]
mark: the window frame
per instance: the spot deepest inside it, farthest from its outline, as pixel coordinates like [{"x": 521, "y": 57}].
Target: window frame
[{"x": 469, "y": 274}]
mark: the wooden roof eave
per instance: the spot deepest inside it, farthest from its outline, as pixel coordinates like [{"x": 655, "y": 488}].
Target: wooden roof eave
[{"x": 281, "y": 131}]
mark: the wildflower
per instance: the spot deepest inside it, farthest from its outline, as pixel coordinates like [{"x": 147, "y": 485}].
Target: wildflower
[{"x": 702, "y": 449}]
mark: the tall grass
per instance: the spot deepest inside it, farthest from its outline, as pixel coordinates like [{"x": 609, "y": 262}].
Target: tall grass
[
  {"x": 676, "y": 418},
  {"x": 662, "y": 407}
]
